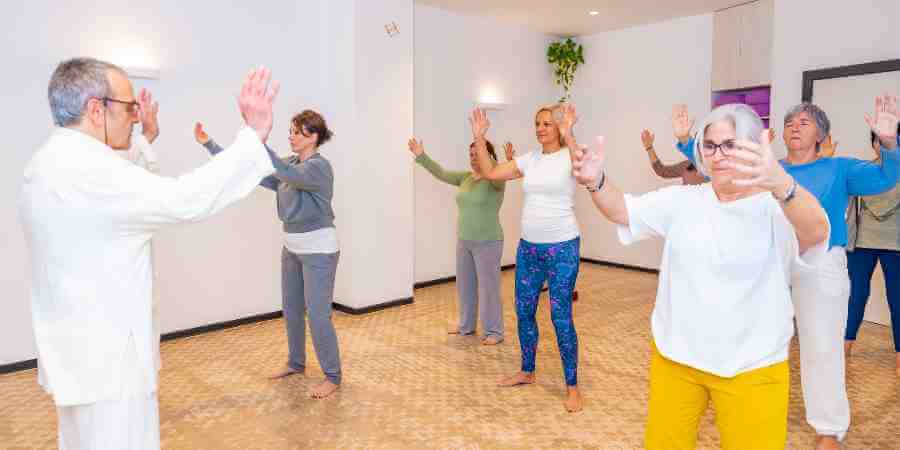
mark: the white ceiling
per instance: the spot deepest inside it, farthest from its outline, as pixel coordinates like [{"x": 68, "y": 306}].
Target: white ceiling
[{"x": 570, "y": 17}]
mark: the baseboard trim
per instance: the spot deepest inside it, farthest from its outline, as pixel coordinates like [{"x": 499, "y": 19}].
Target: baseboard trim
[
  {"x": 220, "y": 326},
  {"x": 619, "y": 265},
  {"x": 373, "y": 308},
  {"x": 450, "y": 279},
  {"x": 28, "y": 364}
]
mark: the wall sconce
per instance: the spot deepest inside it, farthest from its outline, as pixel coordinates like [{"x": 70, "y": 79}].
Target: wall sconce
[
  {"x": 142, "y": 73},
  {"x": 491, "y": 106}
]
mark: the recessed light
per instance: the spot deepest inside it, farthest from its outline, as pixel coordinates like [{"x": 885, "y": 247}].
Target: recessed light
[{"x": 594, "y": 13}]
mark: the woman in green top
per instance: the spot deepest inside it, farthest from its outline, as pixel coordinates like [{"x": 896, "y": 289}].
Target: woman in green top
[{"x": 479, "y": 246}]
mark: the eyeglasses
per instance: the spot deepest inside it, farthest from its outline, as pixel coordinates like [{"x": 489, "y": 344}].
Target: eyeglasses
[
  {"x": 709, "y": 148},
  {"x": 131, "y": 107}
]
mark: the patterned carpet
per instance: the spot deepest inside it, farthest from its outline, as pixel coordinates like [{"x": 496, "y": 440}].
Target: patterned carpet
[{"x": 407, "y": 384}]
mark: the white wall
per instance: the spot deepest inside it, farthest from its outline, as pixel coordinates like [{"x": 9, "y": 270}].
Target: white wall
[
  {"x": 810, "y": 35},
  {"x": 377, "y": 202},
  {"x": 630, "y": 82},
  {"x": 227, "y": 267},
  {"x": 460, "y": 60}
]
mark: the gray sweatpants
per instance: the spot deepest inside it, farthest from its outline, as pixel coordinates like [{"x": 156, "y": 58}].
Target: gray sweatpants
[
  {"x": 307, "y": 283},
  {"x": 478, "y": 283}
]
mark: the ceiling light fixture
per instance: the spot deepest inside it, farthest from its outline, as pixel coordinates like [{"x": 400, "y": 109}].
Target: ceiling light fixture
[{"x": 594, "y": 13}]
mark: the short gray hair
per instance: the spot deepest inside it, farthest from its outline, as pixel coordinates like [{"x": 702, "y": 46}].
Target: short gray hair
[
  {"x": 73, "y": 84},
  {"x": 823, "y": 125},
  {"x": 747, "y": 126}
]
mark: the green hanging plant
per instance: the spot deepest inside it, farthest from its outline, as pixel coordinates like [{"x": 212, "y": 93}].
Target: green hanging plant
[{"x": 565, "y": 56}]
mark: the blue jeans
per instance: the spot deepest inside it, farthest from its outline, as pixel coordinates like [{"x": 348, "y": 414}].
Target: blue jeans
[{"x": 861, "y": 264}]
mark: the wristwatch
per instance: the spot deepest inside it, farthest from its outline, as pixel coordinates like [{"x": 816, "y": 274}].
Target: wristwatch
[
  {"x": 789, "y": 194},
  {"x": 599, "y": 186}
]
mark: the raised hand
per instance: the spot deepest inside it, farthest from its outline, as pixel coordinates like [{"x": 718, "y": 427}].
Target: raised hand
[
  {"x": 758, "y": 161},
  {"x": 509, "y": 151},
  {"x": 480, "y": 123},
  {"x": 588, "y": 164},
  {"x": 647, "y": 139},
  {"x": 148, "y": 114},
  {"x": 884, "y": 124},
  {"x": 416, "y": 147},
  {"x": 255, "y": 101},
  {"x": 566, "y": 119},
  {"x": 827, "y": 148},
  {"x": 199, "y": 135},
  {"x": 682, "y": 123}
]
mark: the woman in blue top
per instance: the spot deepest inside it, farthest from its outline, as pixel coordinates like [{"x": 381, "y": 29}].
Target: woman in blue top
[{"x": 820, "y": 304}]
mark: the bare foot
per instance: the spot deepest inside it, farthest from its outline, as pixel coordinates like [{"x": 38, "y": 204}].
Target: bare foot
[
  {"x": 323, "y": 389},
  {"x": 574, "y": 402},
  {"x": 848, "y": 349},
  {"x": 285, "y": 372},
  {"x": 455, "y": 330},
  {"x": 494, "y": 340},
  {"x": 518, "y": 379},
  {"x": 827, "y": 443}
]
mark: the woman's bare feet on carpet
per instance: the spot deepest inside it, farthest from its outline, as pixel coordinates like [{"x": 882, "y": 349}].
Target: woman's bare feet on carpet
[
  {"x": 574, "y": 402},
  {"x": 827, "y": 443},
  {"x": 455, "y": 330},
  {"x": 285, "y": 372},
  {"x": 491, "y": 340},
  {"x": 518, "y": 379},
  {"x": 323, "y": 389}
]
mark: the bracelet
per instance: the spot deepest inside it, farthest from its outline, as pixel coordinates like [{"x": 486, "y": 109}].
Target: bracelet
[
  {"x": 790, "y": 194},
  {"x": 593, "y": 189},
  {"x": 648, "y": 149}
]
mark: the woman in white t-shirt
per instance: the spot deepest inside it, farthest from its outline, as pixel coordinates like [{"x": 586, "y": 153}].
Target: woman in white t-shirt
[
  {"x": 550, "y": 244},
  {"x": 722, "y": 321}
]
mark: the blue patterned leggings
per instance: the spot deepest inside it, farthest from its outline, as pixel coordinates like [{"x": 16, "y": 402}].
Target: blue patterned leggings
[{"x": 535, "y": 263}]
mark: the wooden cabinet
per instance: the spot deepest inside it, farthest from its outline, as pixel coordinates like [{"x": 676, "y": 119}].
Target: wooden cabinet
[{"x": 742, "y": 46}]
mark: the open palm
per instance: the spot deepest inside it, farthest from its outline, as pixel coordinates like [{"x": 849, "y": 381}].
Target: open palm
[
  {"x": 256, "y": 99},
  {"x": 588, "y": 164},
  {"x": 884, "y": 124},
  {"x": 647, "y": 138},
  {"x": 681, "y": 123}
]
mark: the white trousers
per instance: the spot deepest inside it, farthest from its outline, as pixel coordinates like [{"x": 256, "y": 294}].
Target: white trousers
[
  {"x": 130, "y": 422},
  {"x": 820, "y": 306},
  {"x": 126, "y": 424}
]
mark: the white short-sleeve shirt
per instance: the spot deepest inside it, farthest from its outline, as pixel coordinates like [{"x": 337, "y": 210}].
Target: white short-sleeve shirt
[
  {"x": 723, "y": 304},
  {"x": 548, "y": 214}
]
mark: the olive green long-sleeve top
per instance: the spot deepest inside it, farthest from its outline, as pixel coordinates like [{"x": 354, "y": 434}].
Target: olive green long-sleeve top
[{"x": 478, "y": 201}]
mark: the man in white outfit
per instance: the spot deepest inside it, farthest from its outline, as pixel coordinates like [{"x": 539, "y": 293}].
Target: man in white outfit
[
  {"x": 142, "y": 154},
  {"x": 89, "y": 216}
]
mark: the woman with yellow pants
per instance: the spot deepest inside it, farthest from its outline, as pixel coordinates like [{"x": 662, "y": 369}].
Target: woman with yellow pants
[{"x": 722, "y": 322}]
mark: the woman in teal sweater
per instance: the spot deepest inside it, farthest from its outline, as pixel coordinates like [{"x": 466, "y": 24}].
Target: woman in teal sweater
[{"x": 479, "y": 246}]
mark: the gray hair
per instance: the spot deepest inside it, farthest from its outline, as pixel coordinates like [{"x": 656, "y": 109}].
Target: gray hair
[
  {"x": 73, "y": 84},
  {"x": 747, "y": 126},
  {"x": 823, "y": 125}
]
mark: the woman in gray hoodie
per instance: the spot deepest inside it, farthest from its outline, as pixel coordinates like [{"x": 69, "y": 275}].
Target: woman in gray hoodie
[{"x": 304, "y": 184}]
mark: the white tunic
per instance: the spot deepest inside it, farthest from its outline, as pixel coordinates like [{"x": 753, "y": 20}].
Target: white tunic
[
  {"x": 89, "y": 216},
  {"x": 723, "y": 304},
  {"x": 142, "y": 154}
]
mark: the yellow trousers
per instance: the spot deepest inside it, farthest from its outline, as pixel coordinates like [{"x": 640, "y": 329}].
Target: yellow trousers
[{"x": 751, "y": 408}]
